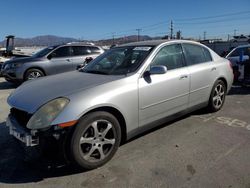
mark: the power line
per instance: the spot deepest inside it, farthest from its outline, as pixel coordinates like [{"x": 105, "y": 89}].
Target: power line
[
  {"x": 214, "y": 21},
  {"x": 217, "y": 16},
  {"x": 185, "y": 21}
]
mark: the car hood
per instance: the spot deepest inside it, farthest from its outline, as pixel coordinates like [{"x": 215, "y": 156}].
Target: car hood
[
  {"x": 33, "y": 94},
  {"x": 22, "y": 60}
]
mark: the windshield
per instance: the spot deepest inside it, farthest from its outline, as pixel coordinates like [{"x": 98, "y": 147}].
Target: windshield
[
  {"x": 44, "y": 52},
  {"x": 119, "y": 61}
]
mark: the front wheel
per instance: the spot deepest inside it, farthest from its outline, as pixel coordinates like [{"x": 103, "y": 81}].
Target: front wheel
[
  {"x": 32, "y": 74},
  {"x": 95, "y": 140},
  {"x": 217, "y": 97}
]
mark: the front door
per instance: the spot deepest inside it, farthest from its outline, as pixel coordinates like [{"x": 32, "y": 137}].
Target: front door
[
  {"x": 61, "y": 60},
  {"x": 164, "y": 94}
]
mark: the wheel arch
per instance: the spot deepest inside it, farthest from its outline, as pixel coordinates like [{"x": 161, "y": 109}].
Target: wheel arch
[
  {"x": 224, "y": 80},
  {"x": 119, "y": 117},
  {"x": 39, "y": 68}
]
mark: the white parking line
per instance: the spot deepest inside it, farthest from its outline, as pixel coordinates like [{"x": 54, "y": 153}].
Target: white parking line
[{"x": 231, "y": 122}]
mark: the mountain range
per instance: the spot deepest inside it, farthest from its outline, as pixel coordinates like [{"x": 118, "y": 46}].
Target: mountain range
[{"x": 49, "y": 40}]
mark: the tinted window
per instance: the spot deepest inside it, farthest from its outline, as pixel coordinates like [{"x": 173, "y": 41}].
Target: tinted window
[
  {"x": 235, "y": 53},
  {"x": 44, "y": 52},
  {"x": 62, "y": 52},
  {"x": 195, "y": 54},
  {"x": 207, "y": 54},
  {"x": 94, "y": 49},
  {"x": 80, "y": 50},
  {"x": 238, "y": 51},
  {"x": 170, "y": 56}
]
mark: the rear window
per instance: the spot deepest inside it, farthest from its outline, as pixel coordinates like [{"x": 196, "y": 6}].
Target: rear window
[
  {"x": 207, "y": 54},
  {"x": 80, "y": 50},
  {"x": 196, "y": 54},
  {"x": 94, "y": 49}
]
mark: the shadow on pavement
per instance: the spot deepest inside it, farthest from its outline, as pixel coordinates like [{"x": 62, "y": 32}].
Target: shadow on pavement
[
  {"x": 7, "y": 85},
  {"x": 13, "y": 168},
  {"x": 239, "y": 90}
]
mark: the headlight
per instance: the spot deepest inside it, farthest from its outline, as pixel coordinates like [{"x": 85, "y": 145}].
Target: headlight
[
  {"x": 47, "y": 113},
  {"x": 15, "y": 65}
]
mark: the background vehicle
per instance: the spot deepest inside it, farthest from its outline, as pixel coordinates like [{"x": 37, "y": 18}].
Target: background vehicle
[
  {"x": 49, "y": 61},
  {"x": 241, "y": 38},
  {"x": 240, "y": 59},
  {"x": 9, "y": 52},
  {"x": 121, "y": 93}
]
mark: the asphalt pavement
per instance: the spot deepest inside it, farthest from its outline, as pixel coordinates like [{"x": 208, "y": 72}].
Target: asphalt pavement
[{"x": 198, "y": 150}]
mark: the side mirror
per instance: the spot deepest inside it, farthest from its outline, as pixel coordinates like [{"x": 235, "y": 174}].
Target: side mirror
[
  {"x": 158, "y": 69},
  {"x": 49, "y": 57}
]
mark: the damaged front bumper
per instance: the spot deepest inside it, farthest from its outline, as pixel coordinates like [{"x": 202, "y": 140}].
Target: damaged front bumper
[{"x": 28, "y": 137}]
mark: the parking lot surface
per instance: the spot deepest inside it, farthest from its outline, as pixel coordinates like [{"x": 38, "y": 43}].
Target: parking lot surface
[{"x": 198, "y": 150}]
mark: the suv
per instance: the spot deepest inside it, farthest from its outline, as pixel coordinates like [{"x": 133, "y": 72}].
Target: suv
[{"x": 49, "y": 61}]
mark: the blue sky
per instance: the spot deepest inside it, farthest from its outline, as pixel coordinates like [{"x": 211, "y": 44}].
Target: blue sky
[{"x": 101, "y": 19}]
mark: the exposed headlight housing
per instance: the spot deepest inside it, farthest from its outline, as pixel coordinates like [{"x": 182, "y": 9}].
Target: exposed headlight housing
[
  {"x": 15, "y": 65},
  {"x": 47, "y": 113}
]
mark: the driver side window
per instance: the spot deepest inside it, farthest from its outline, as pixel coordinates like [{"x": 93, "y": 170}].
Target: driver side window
[
  {"x": 62, "y": 52},
  {"x": 170, "y": 56}
]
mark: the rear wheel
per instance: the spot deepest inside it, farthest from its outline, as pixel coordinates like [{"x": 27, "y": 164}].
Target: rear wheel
[
  {"x": 95, "y": 140},
  {"x": 32, "y": 74},
  {"x": 217, "y": 97}
]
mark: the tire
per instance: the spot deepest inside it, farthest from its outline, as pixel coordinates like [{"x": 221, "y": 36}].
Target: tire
[
  {"x": 32, "y": 74},
  {"x": 95, "y": 140},
  {"x": 217, "y": 96}
]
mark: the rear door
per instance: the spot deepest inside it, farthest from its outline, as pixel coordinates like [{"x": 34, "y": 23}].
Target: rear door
[
  {"x": 79, "y": 55},
  {"x": 164, "y": 94},
  {"x": 202, "y": 71}
]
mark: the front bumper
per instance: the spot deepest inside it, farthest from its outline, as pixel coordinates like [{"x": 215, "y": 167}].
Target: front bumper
[
  {"x": 32, "y": 138},
  {"x": 28, "y": 137}
]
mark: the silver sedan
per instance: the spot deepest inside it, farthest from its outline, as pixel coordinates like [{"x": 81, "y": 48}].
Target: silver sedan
[{"x": 129, "y": 89}]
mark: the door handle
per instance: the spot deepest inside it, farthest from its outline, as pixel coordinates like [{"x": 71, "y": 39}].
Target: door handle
[
  {"x": 183, "y": 77},
  {"x": 213, "y": 69}
]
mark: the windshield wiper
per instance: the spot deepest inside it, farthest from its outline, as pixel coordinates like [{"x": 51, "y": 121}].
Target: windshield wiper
[{"x": 95, "y": 72}]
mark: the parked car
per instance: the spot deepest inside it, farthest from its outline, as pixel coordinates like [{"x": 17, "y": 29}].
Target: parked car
[
  {"x": 126, "y": 90},
  {"x": 240, "y": 59},
  {"x": 241, "y": 38},
  {"x": 49, "y": 61}
]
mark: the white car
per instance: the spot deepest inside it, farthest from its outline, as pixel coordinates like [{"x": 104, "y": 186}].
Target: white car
[{"x": 241, "y": 38}]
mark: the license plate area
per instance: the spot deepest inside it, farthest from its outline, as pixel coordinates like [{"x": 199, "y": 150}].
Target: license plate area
[{"x": 21, "y": 134}]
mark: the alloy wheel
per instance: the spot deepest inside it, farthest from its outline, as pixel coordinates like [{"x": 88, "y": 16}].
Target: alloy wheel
[
  {"x": 97, "y": 141},
  {"x": 219, "y": 94},
  {"x": 34, "y": 75}
]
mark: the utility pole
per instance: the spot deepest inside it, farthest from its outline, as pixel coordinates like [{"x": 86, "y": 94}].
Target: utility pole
[
  {"x": 138, "y": 34},
  {"x": 235, "y": 30},
  {"x": 178, "y": 35},
  {"x": 204, "y": 35},
  {"x": 171, "y": 29}
]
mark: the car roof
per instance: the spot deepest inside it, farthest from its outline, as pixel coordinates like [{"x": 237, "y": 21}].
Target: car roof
[
  {"x": 79, "y": 44},
  {"x": 157, "y": 42},
  {"x": 145, "y": 43}
]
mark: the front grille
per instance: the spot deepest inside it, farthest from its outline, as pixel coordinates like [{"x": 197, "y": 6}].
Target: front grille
[{"x": 21, "y": 117}]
